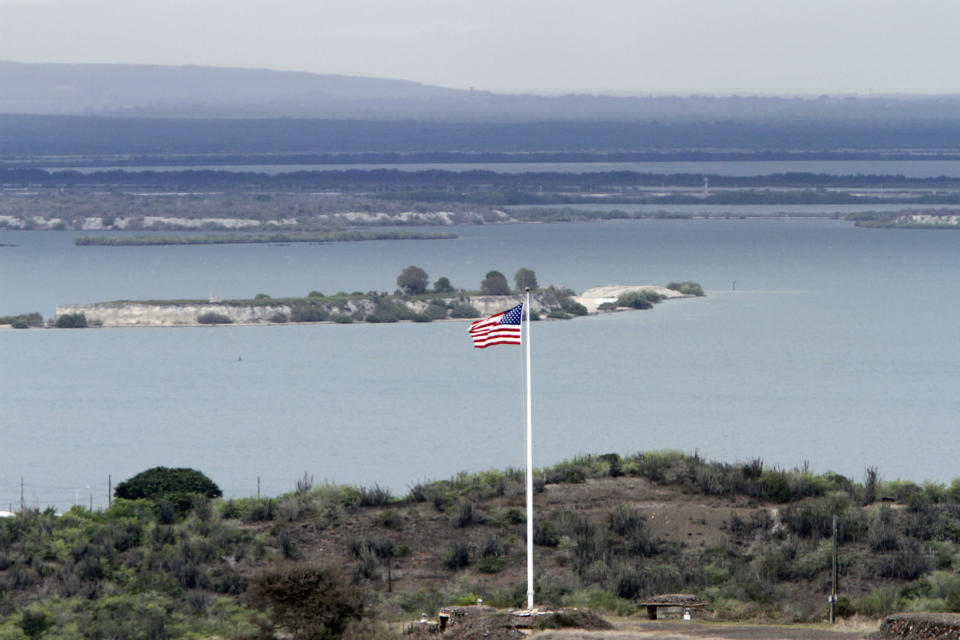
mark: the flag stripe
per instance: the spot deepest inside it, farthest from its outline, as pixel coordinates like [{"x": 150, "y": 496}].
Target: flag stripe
[
  {"x": 499, "y": 335},
  {"x": 500, "y": 328}
]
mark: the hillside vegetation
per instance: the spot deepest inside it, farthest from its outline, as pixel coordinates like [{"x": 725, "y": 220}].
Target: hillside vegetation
[{"x": 610, "y": 531}]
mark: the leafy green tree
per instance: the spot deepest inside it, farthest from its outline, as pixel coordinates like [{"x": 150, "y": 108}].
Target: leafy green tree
[
  {"x": 412, "y": 280},
  {"x": 442, "y": 285},
  {"x": 525, "y": 278},
  {"x": 495, "y": 285},
  {"x": 162, "y": 480},
  {"x": 495, "y": 274},
  {"x": 261, "y": 296},
  {"x": 72, "y": 321}
]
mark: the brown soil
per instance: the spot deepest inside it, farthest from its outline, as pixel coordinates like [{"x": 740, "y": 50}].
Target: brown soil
[
  {"x": 690, "y": 520},
  {"x": 691, "y": 523}
]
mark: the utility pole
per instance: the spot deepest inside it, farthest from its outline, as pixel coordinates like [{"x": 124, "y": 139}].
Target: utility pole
[
  {"x": 833, "y": 589},
  {"x": 21, "y": 494},
  {"x": 109, "y": 490}
]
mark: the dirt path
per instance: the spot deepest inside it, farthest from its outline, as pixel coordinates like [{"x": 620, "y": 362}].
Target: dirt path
[{"x": 667, "y": 630}]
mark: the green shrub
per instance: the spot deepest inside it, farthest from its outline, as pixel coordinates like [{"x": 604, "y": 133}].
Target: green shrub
[
  {"x": 421, "y": 317},
  {"x": 23, "y": 321},
  {"x": 308, "y": 312},
  {"x": 457, "y": 555},
  {"x": 466, "y": 515},
  {"x": 261, "y": 510},
  {"x": 375, "y": 496},
  {"x": 161, "y": 480},
  {"x": 315, "y": 602},
  {"x": 573, "y": 307},
  {"x": 907, "y": 565},
  {"x": 342, "y": 319},
  {"x": 391, "y": 519},
  {"x": 638, "y": 299},
  {"x": 442, "y": 285},
  {"x": 687, "y": 288},
  {"x": 625, "y": 521},
  {"x": 34, "y": 623},
  {"x": 491, "y": 564},
  {"x": 882, "y": 535},
  {"x": 464, "y": 310},
  {"x": 428, "y": 598},
  {"x": 72, "y": 321},
  {"x": 572, "y": 619},
  {"x": 213, "y": 318},
  {"x": 881, "y": 602},
  {"x": 775, "y": 486},
  {"x": 436, "y": 311},
  {"x": 595, "y": 598},
  {"x": 279, "y": 318}
]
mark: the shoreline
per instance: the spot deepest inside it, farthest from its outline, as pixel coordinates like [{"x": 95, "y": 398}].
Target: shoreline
[{"x": 547, "y": 304}]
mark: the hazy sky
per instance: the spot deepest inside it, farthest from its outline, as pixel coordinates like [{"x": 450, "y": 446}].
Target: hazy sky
[{"x": 625, "y": 46}]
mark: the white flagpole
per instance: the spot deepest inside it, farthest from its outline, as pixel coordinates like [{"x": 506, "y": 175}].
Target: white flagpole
[{"x": 529, "y": 465}]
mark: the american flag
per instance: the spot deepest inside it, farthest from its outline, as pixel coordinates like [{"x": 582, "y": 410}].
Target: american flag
[{"x": 502, "y": 328}]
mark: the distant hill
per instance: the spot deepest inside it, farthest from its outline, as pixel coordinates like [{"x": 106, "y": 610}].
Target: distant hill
[
  {"x": 209, "y": 92},
  {"x": 190, "y": 91}
]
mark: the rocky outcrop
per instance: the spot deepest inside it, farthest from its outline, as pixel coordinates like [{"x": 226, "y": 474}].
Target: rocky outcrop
[
  {"x": 184, "y": 314},
  {"x": 921, "y": 626},
  {"x": 137, "y": 314}
]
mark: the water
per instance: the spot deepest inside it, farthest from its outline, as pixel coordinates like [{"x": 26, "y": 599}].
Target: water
[
  {"x": 741, "y": 210},
  {"x": 907, "y": 168},
  {"x": 838, "y": 347}
]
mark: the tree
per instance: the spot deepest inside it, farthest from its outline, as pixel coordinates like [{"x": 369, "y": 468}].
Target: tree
[
  {"x": 161, "y": 480},
  {"x": 72, "y": 321},
  {"x": 412, "y": 280},
  {"x": 495, "y": 285},
  {"x": 525, "y": 278},
  {"x": 315, "y": 603},
  {"x": 442, "y": 285}
]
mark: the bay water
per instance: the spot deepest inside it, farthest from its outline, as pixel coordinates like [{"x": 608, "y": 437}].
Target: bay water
[
  {"x": 907, "y": 168},
  {"x": 835, "y": 346}
]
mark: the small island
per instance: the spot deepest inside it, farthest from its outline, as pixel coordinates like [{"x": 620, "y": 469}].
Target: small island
[
  {"x": 412, "y": 301},
  {"x": 909, "y": 219},
  {"x": 259, "y": 238}
]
